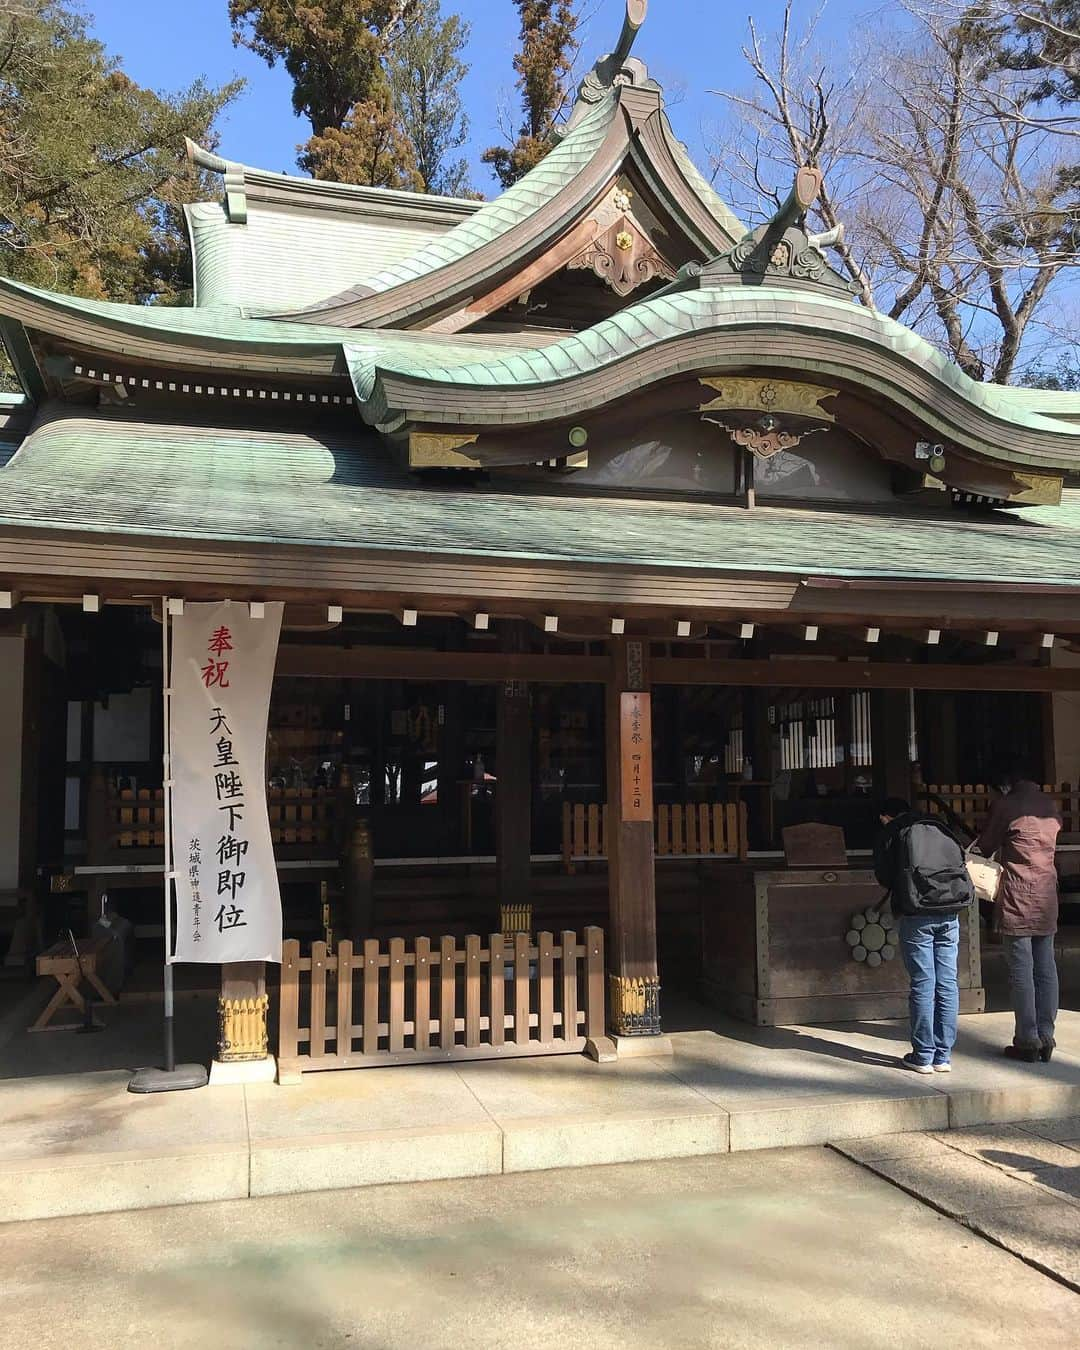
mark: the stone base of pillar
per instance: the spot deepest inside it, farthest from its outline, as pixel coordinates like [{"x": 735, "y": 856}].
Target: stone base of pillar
[
  {"x": 634, "y": 1003},
  {"x": 601, "y": 1049},
  {"x": 232, "y": 1072},
  {"x": 642, "y": 1047}
]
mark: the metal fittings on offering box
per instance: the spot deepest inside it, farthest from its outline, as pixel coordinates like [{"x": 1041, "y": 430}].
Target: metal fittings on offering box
[{"x": 872, "y": 936}]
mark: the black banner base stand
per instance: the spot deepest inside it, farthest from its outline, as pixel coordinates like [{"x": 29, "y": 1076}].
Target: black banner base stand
[
  {"x": 173, "y": 1077},
  {"x": 180, "y": 1079}
]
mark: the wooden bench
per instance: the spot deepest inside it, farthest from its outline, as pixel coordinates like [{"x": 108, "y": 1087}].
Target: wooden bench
[{"x": 695, "y": 832}]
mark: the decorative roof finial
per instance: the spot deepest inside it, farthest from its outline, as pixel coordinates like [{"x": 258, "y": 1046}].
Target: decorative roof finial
[
  {"x": 617, "y": 67},
  {"x": 782, "y": 250},
  {"x": 609, "y": 67}
]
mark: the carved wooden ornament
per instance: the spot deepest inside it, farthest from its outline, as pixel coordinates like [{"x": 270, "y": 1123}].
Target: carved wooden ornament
[{"x": 623, "y": 256}]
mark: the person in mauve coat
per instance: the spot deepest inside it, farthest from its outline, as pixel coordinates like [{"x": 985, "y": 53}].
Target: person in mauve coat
[{"x": 1022, "y": 830}]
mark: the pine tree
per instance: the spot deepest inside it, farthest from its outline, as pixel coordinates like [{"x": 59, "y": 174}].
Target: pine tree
[
  {"x": 93, "y": 174},
  {"x": 546, "y": 57},
  {"x": 333, "y": 49}
]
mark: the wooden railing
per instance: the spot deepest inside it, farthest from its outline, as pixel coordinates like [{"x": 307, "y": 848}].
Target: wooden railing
[
  {"x": 399, "y": 1002},
  {"x": 972, "y": 801},
  {"x": 122, "y": 819},
  {"x": 696, "y": 831}
]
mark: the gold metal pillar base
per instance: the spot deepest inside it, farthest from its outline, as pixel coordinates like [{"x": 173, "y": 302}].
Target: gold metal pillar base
[
  {"x": 515, "y": 919},
  {"x": 242, "y": 1031},
  {"x": 634, "y": 1003}
]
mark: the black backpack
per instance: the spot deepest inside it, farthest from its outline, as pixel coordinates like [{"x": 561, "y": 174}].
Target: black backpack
[{"x": 930, "y": 872}]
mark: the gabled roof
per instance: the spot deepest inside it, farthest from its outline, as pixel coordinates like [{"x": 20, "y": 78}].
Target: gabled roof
[{"x": 626, "y": 130}]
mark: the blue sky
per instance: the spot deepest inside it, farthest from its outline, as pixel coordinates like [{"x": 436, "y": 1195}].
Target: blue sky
[{"x": 691, "y": 46}]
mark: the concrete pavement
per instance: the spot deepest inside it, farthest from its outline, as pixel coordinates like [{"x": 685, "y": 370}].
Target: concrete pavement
[
  {"x": 788, "y": 1248},
  {"x": 1017, "y": 1185}
]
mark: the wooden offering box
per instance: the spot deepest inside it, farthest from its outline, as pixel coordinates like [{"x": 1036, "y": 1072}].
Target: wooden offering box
[{"x": 812, "y": 944}]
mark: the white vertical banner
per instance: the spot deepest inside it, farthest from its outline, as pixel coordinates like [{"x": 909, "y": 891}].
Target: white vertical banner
[{"x": 228, "y": 904}]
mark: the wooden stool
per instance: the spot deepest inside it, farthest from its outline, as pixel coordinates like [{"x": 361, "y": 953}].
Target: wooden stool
[{"x": 59, "y": 962}]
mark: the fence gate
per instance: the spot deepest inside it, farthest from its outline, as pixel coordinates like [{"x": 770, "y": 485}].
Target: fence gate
[{"x": 406, "y": 1003}]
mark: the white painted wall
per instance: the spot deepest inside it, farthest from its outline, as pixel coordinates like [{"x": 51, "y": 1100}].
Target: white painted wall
[{"x": 12, "y": 674}]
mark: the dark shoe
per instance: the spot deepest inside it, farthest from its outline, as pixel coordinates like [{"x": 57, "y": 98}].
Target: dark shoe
[
  {"x": 1028, "y": 1055},
  {"x": 1047, "y": 1050},
  {"x": 910, "y": 1062}
]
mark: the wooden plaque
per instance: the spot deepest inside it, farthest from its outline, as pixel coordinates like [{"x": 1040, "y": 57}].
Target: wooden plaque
[
  {"x": 813, "y": 845},
  {"x": 635, "y": 740}
]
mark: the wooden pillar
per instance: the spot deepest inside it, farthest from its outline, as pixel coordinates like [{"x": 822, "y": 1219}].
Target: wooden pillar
[
  {"x": 358, "y": 867},
  {"x": 242, "y": 1009},
  {"x": 890, "y": 719},
  {"x": 513, "y": 791},
  {"x": 451, "y": 757},
  {"x": 633, "y": 979}
]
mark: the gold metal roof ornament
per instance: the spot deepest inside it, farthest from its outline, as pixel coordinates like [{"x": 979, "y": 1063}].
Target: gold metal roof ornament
[{"x": 764, "y": 415}]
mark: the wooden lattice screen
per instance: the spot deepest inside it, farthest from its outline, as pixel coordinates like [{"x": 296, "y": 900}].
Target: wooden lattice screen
[{"x": 698, "y": 830}]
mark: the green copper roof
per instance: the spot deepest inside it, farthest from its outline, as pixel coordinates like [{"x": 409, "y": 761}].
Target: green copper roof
[
  {"x": 704, "y": 189},
  {"x": 117, "y": 472},
  {"x": 232, "y": 326},
  {"x": 659, "y": 319}
]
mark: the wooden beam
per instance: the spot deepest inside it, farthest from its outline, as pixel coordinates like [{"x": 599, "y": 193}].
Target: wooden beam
[
  {"x": 865, "y": 675},
  {"x": 415, "y": 663}
]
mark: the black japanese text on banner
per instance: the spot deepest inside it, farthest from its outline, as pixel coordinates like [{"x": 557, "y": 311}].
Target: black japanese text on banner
[{"x": 228, "y": 905}]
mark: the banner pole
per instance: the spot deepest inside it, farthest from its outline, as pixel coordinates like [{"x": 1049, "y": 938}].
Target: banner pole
[
  {"x": 171, "y": 1078},
  {"x": 166, "y": 801}
]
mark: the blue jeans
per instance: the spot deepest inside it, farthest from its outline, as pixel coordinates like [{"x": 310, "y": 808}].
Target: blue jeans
[
  {"x": 1033, "y": 984},
  {"x": 930, "y": 946}
]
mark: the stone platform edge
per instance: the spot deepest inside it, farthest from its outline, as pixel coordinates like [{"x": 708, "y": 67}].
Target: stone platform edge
[{"x": 41, "y": 1187}]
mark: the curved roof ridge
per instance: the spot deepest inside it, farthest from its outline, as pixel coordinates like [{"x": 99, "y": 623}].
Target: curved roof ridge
[{"x": 659, "y": 318}]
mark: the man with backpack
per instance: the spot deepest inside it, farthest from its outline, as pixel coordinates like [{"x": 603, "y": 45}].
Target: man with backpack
[{"x": 921, "y": 864}]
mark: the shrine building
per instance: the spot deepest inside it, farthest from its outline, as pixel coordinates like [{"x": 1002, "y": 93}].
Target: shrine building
[{"x": 618, "y": 544}]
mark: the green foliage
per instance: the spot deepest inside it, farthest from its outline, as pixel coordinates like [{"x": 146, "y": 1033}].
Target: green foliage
[
  {"x": 369, "y": 149},
  {"x": 333, "y": 49},
  {"x": 377, "y": 79},
  {"x": 546, "y": 57},
  {"x": 92, "y": 168},
  {"x": 425, "y": 70},
  {"x": 1040, "y": 36}
]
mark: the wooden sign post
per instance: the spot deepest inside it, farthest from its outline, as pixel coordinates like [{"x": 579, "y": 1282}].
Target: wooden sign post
[
  {"x": 635, "y": 739},
  {"x": 633, "y": 982}
]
